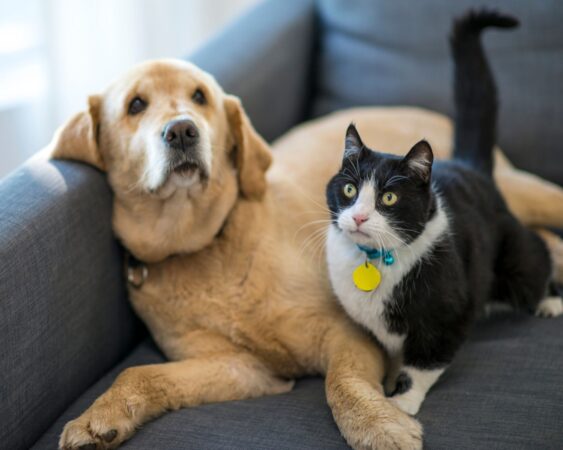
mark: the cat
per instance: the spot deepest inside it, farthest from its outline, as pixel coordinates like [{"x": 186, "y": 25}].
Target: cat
[{"x": 416, "y": 248}]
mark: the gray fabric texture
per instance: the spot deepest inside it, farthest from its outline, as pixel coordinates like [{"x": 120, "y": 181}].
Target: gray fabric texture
[
  {"x": 64, "y": 319},
  {"x": 265, "y": 58},
  {"x": 297, "y": 420},
  {"x": 395, "y": 52},
  {"x": 503, "y": 391}
]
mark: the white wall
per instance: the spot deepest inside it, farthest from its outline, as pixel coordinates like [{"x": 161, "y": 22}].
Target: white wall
[{"x": 76, "y": 47}]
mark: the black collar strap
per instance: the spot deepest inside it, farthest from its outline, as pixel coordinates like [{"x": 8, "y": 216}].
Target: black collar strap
[{"x": 137, "y": 271}]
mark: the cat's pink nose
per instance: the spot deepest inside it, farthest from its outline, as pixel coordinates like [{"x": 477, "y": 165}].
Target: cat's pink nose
[{"x": 359, "y": 219}]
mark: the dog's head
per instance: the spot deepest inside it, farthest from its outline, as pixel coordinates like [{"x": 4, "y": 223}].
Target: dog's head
[{"x": 177, "y": 151}]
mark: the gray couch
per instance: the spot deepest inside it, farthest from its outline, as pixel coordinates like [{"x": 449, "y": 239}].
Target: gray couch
[{"x": 66, "y": 328}]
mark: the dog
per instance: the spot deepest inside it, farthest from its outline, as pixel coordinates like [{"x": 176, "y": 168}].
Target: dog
[{"x": 234, "y": 290}]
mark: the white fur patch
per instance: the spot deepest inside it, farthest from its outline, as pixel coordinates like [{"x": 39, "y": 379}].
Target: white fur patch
[
  {"x": 550, "y": 307},
  {"x": 155, "y": 172},
  {"x": 422, "y": 381},
  {"x": 367, "y": 308}
]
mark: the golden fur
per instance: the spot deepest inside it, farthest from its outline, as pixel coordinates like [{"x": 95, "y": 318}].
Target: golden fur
[{"x": 237, "y": 296}]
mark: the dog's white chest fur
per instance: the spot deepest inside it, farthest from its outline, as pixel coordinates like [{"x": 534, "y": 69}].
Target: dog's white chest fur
[{"x": 367, "y": 308}]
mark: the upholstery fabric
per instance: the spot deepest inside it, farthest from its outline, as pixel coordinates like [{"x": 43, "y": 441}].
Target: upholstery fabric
[
  {"x": 64, "y": 319},
  {"x": 297, "y": 420},
  {"x": 395, "y": 52},
  {"x": 503, "y": 391}
]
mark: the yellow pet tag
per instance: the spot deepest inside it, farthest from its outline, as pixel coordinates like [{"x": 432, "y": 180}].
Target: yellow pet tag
[{"x": 366, "y": 277}]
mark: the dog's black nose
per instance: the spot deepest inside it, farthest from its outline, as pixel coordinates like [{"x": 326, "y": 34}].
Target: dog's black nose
[{"x": 180, "y": 134}]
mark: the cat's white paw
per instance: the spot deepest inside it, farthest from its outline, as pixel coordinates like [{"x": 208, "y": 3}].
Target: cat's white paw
[
  {"x": 550, "y": 307},
  {"x": 408, "y": 402}
]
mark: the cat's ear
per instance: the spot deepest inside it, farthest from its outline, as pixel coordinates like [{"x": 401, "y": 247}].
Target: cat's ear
[
  {"x": 419, "y": 160},
  {"x": 353, "y": 144}
]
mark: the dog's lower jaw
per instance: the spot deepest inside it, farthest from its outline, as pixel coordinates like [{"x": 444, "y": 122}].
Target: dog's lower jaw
[
  {"x": 188, "y": 221},
  {"x": 192, "y": 184}
]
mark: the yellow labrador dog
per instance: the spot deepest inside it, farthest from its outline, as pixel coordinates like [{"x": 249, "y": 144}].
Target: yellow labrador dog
[{"x": 235, "y": 294}]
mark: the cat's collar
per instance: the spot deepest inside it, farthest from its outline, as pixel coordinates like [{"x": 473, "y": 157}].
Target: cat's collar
[{"x": 375, "y": 253}]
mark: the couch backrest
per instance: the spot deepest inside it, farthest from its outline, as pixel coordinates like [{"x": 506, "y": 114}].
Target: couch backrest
[{"x": 395, "y": 52}]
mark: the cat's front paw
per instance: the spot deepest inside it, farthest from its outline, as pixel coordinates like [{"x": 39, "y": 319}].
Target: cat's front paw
[
  {"x": 408, "y": 402},
  {"x": 550, "y": 307},
  {"x": 375, "y": 428}
]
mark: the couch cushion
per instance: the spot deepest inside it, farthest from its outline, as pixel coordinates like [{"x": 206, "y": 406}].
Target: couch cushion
[
  {"x": 388, "y": 52},
  {"x": 297, "y": 420},
  {"x": 503, "y": 391}
]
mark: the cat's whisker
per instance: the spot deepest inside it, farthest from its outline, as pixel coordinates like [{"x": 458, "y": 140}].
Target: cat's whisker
[
  {"x": 314, "y": 234},
  {"x": 321, "y": 233},
  {"x": 315, "y": 244},
  {"x": 304, "y": 194},
  {"x": 394, "y": 180},
  {"x": 314, "y": 223}
]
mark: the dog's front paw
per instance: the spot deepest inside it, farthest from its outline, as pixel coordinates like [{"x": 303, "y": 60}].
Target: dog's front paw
[{"x": 102, "y": 426}]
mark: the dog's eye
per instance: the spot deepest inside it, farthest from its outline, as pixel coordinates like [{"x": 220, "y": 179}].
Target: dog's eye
[
  {"x": 199, "y": 97},
  {"x": 136, "y": 106}
]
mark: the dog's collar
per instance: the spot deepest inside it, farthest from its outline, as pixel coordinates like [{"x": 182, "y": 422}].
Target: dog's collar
[
  {"x": 137, "y": 271},
  {"x": 375, "y": 253}
]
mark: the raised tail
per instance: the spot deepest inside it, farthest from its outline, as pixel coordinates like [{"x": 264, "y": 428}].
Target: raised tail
[{"x": 475, "y": 92}]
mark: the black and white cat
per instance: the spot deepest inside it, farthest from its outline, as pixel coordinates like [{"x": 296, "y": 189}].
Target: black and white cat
[{"x": 417, "y": 247}]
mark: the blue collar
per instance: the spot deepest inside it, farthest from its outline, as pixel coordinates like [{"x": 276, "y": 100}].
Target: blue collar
[{"x": 373, "y": 253}]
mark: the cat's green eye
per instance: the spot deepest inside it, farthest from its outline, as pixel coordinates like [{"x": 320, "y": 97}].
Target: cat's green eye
[
  {"x": 389, "y": 198},
  {"x": 349, "y": 190}
]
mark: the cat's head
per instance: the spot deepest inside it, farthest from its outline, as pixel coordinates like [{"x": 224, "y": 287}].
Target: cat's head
[{"x": 379, "y": 200}]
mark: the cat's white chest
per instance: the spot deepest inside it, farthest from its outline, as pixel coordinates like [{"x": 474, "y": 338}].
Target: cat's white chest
[{"x": 366, "y": 308}]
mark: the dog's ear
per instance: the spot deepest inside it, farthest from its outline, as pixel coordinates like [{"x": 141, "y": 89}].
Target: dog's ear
[
  {"x": 253, "y": 155},
  {"x": 77, "y": 138}
]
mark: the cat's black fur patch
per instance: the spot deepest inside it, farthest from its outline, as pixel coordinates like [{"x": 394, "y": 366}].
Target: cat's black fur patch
[
  {"x": 487, "y": 254},
  {"x": 403, "y": 383}
]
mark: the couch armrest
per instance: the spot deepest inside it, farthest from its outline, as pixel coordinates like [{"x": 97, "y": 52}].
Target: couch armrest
[
  {"x": 64, "y": 315},
  {"x": 265, "y": 57}
]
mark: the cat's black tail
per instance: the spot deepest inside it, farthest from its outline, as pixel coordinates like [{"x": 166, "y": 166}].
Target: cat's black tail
[{"x": 475, "y": 92}]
